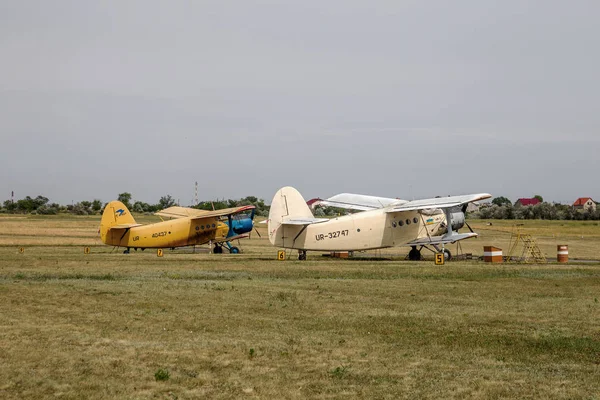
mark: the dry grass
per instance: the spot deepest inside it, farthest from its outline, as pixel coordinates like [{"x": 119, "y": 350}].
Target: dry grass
[{"x": 105, "y": 325}]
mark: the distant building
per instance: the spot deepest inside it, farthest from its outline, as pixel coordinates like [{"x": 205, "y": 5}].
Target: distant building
[
  {"x": 584, "y": 203},
  {"x": 527, "y": 202},
  {"x": 473, "y": 207},
  {"x": 312, "y": 203}
]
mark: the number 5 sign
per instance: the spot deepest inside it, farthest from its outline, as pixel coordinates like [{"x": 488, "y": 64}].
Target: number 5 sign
[{"x": 439, "y": 258}]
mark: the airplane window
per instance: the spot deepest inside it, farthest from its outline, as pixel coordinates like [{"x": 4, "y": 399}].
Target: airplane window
[
  {"x": 394, "y": 224},
  {"x": 358, "y": 230},
  {"x": 213, "y": 225},
  {"x": 202, "y": 226},
  {"x": 197, "y": 228},
  {"x": 400, "y": 223},
  {"x": 415, "y": 220},
  {"x": 408, "y": 222}
]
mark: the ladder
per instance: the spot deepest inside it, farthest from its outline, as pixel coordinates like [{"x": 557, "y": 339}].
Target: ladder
[{"x": 530, "y": 252}]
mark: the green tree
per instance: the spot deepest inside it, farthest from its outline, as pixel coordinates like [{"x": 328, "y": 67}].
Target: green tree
[
  {"x": 166, "y": 202},
  {"x": 125, "y": 198},
  {"x": 540, "y": 198},
  {"x": 10, "y": 205},
  {"x": 501, "y": 200},
  {"x": 96, "y": 205}
]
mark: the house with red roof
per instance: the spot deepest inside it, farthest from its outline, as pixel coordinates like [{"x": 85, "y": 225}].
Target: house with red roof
[
  {"x": 312, "y": 203},
  {"x": 584, "y": 203},
  {"x": 527, "y": 202}
]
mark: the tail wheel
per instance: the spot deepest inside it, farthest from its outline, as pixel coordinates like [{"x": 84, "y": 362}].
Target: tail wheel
[
  {"x": 414, "y": 254},
  {"x": 234, "y": 250}
]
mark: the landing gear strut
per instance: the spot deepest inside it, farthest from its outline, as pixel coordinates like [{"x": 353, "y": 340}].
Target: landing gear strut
[{"x": 302, "y": 255}]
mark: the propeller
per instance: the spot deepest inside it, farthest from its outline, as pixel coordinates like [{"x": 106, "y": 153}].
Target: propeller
[
  {"x": 253, "y": 226},
  {"x": 464, "y": 211}
]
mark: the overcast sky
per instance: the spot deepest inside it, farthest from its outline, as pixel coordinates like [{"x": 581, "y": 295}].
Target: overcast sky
[{"x": 390, "y": 98}]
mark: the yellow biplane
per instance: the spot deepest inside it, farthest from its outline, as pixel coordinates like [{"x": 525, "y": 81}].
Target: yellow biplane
[{"x": 185, "y": 227}]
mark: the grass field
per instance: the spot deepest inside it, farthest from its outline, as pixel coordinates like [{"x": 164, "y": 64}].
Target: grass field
[{"x": 108, "y": 325}]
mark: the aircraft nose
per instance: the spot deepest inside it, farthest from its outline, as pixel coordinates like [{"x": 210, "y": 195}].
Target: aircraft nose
[{"x": 243, "y": 226}]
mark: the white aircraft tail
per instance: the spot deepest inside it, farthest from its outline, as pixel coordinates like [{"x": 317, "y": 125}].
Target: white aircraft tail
[{"x": 287, "y": 205}]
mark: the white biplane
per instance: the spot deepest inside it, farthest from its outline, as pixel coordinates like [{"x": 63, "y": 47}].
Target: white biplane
[{"x": 383, "y": 222}]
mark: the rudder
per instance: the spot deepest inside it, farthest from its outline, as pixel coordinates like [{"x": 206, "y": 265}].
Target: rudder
[
  {"x": 115, "y": 213},
  {"x": 287, "y": 203}
]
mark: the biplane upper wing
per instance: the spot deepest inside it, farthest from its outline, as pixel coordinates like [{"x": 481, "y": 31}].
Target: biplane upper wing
[
  {"x": 360, "y": 202},
  {"x": 180, "y": 212},
  {"x": 224, "y": 212},
  {"x": 438, "y": 202},
  {"x": 185, "y": 212}
]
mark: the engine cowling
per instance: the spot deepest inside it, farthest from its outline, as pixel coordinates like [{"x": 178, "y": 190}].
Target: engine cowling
[{"x": 457, "y": 220}]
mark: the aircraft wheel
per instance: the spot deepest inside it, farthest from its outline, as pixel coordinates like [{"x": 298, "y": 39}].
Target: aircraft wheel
[
  {"x": 302, "y": 256},
  {"x": 218, "y": 250},
  {"x": 447, "y": 255},
  {"x": 414, "y": 254},
  {"x": 234, "y": 250},
  {"x": 126, "y": 251}
]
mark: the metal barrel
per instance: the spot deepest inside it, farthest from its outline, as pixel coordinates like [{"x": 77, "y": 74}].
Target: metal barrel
[{"x": 562, "y": 253}]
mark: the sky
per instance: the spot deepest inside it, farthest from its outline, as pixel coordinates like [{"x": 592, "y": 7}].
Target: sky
[{"x": 405, "y": 99}]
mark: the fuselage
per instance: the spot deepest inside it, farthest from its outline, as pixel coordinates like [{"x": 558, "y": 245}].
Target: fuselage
[
  {"x": 171, "y": 233},
  {"x": 361, "y": 231}
]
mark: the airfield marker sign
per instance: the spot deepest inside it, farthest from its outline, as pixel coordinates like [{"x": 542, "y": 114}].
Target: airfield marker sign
[
  {"x": 439, "y": 258},
  {"x": 159, "y": 252},
  {"x": 21, "y": 250},
  {"x": 86, "y": 250},
  {"x": 281, "y": 255}
]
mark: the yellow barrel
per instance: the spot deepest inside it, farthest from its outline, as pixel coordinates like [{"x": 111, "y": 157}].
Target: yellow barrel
[
  {"x": 562, "y": 253},
  {"x": 492, "y": 254}
]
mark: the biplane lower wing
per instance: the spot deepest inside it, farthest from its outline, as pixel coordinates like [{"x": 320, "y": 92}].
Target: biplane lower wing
[
  {"x": 230, "y": 238},
  {"x": 444, "y": 239}
]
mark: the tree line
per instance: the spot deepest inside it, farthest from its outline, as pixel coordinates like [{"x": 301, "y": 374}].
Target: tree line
[
  {"x": 41, "y": 205},
  {"x": 499, "y": 208},
  {"x": 502, "y": 208}
]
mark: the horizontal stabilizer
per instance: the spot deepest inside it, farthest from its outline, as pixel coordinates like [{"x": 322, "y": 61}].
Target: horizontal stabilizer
[
  {"x": 303, "y": 221},
  {"x": 455, "y": 237},
  {"x": 438, "y": 202},
  {"x": 360, "y": 202},
  {"x": 124, "y": 226}
]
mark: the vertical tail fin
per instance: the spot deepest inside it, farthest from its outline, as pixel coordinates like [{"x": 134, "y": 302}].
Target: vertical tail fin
[
  {"x": 287, "y": 203},
  {"x": 115, "y": 213}
]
